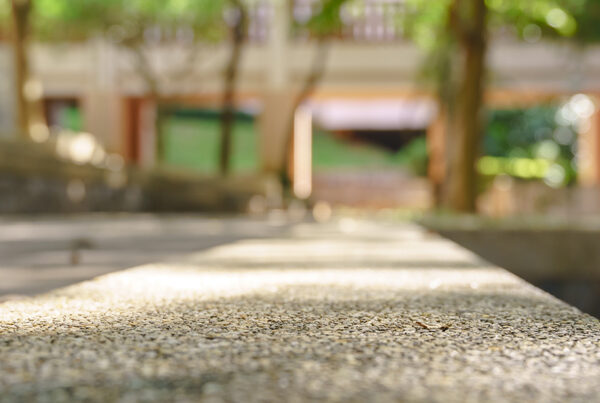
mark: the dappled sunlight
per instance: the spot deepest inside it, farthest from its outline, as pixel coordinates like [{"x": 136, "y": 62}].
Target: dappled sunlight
[
  {"x": 270, "y": 200},
  {"x": 211, "y": 327},
  {"x": 277, "y": 266},
  {"x": 48, "y": 252},
  {"x": 334, "y": 250}
]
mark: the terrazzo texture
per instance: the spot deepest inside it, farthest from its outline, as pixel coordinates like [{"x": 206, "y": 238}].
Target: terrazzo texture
[{"x": 347, "y": 311}]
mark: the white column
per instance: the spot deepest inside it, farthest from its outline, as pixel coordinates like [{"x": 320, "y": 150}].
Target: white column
[{"x": 303, "y": 153}]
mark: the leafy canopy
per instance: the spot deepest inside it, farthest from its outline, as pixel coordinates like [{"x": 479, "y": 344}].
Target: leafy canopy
[
  {"x": 80, "y": 19},
  {"x": 426, "y": 22}
]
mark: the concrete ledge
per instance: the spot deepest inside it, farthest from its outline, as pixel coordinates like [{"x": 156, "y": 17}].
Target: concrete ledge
[
  {"x": 559, "y": 254},
  {"x": 34, "y": 180},
  {"x": 348, "y": 311}
]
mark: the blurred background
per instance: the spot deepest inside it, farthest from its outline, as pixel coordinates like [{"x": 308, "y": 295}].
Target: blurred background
[{"x": 477, "y": 117}]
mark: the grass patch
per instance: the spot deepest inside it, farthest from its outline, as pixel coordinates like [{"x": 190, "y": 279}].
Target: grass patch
[{"x": 193, "y": 143}]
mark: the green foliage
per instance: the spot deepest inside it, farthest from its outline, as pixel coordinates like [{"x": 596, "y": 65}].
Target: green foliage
[
  {"x": 414, "y": 156},
  {"x": 427, "y": 23},
  {"x": 533, "y": 134},
  {"x": 193, "y": 143},
  {"x": 4, "y": 10},
  {"x": 587, "y": 16},
  {"x": 553, "y": 17},
  {"x": 513, "y": 132},
  {"x": 330, "y": 152},
  {"x": 71, "y": 119},
  {"x": 4, "y": 18},
  {"x": 60, "y": 20},
  {"x": 325, "y": 21},
  {"x": 328, "y": 19}
]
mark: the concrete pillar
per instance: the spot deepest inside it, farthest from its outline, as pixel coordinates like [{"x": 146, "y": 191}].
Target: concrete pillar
[
  {"x": 103, "y": 117},
  {"x": 278, "y": 97},
  {"x": 273, "y": 125},
  {"x": 147, "y": 134},
  {"x": 103, "y": 107},
  {"x": 588, "y": 158}
]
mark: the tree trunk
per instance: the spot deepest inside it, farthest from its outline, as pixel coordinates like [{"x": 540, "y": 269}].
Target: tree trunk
[
  {"x": 159, "y": 122},
  {"x": 471, "y": 28},
  {"x": 436, "y": 151},
  {"x": 319, "y": 63},
  {"x": 231, "y": 75},
  {"x": 21, "y": 10}
]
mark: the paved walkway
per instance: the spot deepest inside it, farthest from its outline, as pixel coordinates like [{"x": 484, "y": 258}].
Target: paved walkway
[{"x": 345, "y": 311}]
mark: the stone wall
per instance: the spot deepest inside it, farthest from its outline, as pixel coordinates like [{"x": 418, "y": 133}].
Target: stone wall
[
  {"x": 374, "y": 189},
  {"x": 508, "y": 197}
]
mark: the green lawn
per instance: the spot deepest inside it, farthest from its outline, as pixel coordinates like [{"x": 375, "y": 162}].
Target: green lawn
[
  {"x": 194, "y": 143},
  {"x": 331, "y": 153}
]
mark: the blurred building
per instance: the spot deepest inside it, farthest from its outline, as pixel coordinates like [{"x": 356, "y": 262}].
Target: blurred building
[{"x": 370, "y": 83}]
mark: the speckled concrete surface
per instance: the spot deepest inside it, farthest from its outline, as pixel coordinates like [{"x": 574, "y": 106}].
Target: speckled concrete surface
[{"x": 347, "y": 311}]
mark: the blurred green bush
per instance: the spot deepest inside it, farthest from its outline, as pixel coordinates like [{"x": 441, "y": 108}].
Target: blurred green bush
[{"x": 535, "y": 137}]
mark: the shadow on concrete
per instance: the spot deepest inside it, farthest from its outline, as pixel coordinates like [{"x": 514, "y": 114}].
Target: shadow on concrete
[
  {"x": 41, "y": 254},
  {"x": 563, "y": 262}
]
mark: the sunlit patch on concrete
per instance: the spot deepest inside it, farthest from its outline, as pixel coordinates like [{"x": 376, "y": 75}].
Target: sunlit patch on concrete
[{"x": 334, "y": 315}]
